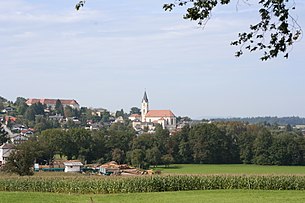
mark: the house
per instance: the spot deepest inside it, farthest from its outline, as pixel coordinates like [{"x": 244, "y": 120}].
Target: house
[
  {"x": 5, "y": 151},
  {"x": 57, "y": 117},
  {"x": 8, "y": 109},
  {"x": 73, "y": 119},
  {"x": 98, "y": 112},
  {"x": 50, "y": 103},
  {"x": 73, "y": 166},
  {"x": 19, "y": 139},
  {"x": 133, "y": 117},
  {"x": 119, "y": 119},
  {"x": 9, "y": 119}
]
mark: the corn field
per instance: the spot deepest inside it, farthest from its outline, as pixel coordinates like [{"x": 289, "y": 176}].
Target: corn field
[{"x": 97, "y": 185}]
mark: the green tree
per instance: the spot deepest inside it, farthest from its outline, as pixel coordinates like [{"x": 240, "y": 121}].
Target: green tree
[
  {"x": 153, "y": 156},
  {"x": 182, "y": 150},
  {"x": 99, "y": 149},
  {"x": 29, "y": 114},
  {"x": 285, "y": 150},
  {"x": 59, "y": 108},
  {"x": 137, "y": 158},
  {"x": 68, "y": 112},
  {"x": 3, "y": 135},
  {"x": 167, "y": 159},
  {"x": 22, "y": 159},
  {"x": 1, "y": 106},
  {"x": 118, "y": 155},
  {"x": 19, "y": 101},
  {"x": 262, "y": 145},
  {"x": 209, "y": 144},
  {"x": 105, "y": 116},
  {"x": 21, "y": 108},
  {"x": 52, "y": 140},
  {"x": 77, "y": 144},
  {"x": 135, "y": 110},
  {"x": 120, "y": 136},
  {"x": 246, "y": 143},
  {"x": 120, "y": 113}
]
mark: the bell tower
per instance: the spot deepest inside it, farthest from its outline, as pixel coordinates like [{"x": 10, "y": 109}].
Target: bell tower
[{"x": 144, "y": 108}]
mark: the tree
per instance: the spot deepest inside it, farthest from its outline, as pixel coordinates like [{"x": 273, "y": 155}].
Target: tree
[
  {"x": 1, "y": 106},
  {"x": 3, "y": 135},
  {"x": 59, "y": 109},
  {"x": 135, "y": 110},
  {"x": 153, "y": 156},
  {"x": 22, "y": 159},
  {"x": 118, "y": 155},
  {"x": 19, "y": 101},
  {"x": 21, "y": 108},
  {"x": 275, "y": 32},
  {"x": 29, "y": 114},
  {"x": 262, "y": 145},
  {"x": 167, "y": 159},
  {"x": 137, "y": 157},
  {"x": 52, "y": 140},
  {"x": 209, "y": 144},
  {"x": 285, "y": 150},
  {"x": 68, "y": 112}
]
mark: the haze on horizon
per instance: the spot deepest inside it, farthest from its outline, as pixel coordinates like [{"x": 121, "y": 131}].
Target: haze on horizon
[{"x": 107, "y": 54}]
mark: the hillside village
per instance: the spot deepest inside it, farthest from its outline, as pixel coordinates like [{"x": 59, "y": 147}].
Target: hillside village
[
  {"x": 24, "y": 117},
  {"x": 59, "y": 133}
]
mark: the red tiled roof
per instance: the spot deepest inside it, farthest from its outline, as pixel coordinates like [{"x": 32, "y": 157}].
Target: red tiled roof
[
  {"x": 160, "y": 113},
  {"x": 13, "y": 119},
  {"x": 51, "y": 101}
]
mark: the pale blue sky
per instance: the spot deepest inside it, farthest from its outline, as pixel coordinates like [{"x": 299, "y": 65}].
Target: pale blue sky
[{"x": 108, "y": 53}]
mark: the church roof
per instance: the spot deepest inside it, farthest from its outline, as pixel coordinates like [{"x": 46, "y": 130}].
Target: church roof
[
  {"x": 160, "y": 113},
  {"x": 145, "y": 98}
]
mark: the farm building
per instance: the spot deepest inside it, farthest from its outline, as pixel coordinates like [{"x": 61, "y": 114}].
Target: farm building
[
  {"x": 73, "y": 166},
  {"x": 110, "y": 168}
]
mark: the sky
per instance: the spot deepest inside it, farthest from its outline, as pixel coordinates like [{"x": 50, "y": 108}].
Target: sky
[{"x": 108, "y": 53}]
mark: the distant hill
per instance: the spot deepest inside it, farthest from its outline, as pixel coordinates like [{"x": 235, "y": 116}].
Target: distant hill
[{"x": 295, "y": 120}]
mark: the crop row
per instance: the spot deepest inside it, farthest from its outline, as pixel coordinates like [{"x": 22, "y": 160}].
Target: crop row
[{"x": 150, "y": 184}]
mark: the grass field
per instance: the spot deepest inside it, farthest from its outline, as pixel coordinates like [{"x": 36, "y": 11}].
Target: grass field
[
  {"x": 231, "y": 169},
  {"x": 212, "y": 196}
]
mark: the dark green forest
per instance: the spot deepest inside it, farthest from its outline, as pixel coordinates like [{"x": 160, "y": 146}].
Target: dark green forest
[{"x": 292, "y": 120}]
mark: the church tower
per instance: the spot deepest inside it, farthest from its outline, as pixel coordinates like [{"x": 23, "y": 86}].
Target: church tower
[{"x": 144, "y": 108}]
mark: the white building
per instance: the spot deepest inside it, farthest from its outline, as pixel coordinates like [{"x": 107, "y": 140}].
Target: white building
[
  {"x": 5, "y": 151},
  {"x": 73, "y": 166}
]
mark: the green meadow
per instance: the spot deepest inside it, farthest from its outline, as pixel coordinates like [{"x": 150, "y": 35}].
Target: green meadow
[
  {"x": 210, "y": 196},
  {"x": 231, "y": 169}
]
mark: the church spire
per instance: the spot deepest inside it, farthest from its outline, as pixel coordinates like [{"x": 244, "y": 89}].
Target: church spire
[
  {"x": 144, "y": 108},
  {"x": 145, "y": 99}
]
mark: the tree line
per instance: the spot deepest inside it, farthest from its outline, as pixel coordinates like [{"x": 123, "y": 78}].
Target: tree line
[
  {"x": 216, "y": 143},
  {"x": 267, "y": 120}
]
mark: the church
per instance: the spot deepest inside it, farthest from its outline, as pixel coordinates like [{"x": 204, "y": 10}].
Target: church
[{"x": 150, "y": 118}]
